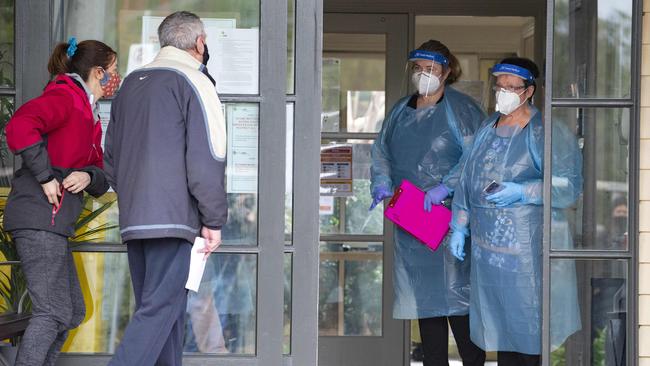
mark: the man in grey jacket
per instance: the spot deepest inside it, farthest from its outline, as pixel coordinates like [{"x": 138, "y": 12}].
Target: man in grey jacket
[{"x": 165, "y": 158}]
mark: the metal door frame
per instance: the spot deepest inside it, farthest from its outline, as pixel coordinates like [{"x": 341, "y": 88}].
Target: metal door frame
[{"x": 390, "y": 346}]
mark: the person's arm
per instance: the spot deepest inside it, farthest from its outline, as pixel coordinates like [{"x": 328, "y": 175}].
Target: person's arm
[
  {"x": 205, "y": 162},
  {"x": 460, "y": 215},
  {"x": 30, "y": 124},
  {"x": 98, "y": 184}
]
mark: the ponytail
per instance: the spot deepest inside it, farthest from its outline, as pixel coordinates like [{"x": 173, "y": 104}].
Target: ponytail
[
  {"x": 59, "y": 62},
  {"x": 80, "y": 58}
]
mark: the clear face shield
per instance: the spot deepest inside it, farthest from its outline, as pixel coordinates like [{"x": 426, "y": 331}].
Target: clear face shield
[
  {"x": 426, "y": 71},
  {"x": 509, "y": 84}
]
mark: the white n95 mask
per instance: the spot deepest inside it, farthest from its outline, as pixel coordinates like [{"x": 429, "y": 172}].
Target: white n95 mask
[
  {"x": 426, "y": 84},
  {"x": 508, "y": 102}
]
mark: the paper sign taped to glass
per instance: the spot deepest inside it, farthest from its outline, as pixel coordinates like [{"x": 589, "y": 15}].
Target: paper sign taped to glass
[
  {"x": 406, "y": 210},
  {"x": 336, "y": 170}
]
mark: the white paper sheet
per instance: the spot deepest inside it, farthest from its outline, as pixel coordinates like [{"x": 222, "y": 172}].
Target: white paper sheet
[
  {"x": 235, "y": 64},
  {"x": 243, "y": 129},
  {"x": 197, "y": 265}
]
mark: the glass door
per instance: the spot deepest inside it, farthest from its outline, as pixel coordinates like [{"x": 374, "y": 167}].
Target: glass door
[
  {"x": 590, "y": 246},
  {"x": 243, "y": 312},
  {"x": 363, "y": 58}
]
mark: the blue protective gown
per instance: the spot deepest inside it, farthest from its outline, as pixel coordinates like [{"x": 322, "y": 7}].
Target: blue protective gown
[
  {"x": 424, "y": 146},
  {"x": 506, "y": 249}
]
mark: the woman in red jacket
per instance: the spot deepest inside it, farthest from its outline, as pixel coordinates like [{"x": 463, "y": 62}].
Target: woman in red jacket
[{"x": 58, "y": 136}]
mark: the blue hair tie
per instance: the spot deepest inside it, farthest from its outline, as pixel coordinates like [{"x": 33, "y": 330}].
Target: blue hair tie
[{"x": 72, "y": 47}]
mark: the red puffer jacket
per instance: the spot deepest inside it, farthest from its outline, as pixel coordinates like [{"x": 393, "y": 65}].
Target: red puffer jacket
[
  {"x": 55, "y": 134},
  {"x": 63, "y": 114}
]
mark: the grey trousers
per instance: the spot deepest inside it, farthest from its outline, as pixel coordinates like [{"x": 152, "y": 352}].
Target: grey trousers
[
  {"x": 154, "y": 336},
  {"x": 57, "y": 301}
]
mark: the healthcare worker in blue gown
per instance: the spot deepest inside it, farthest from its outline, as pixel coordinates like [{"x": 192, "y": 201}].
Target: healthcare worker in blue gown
[
  {"x": 499, "y": 201},
  {"x": 422, "y": 140}
]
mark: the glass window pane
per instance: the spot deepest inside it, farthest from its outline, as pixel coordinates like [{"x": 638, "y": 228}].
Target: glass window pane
[
  {"x": 106, "y": 286},
  {"x": 99, "y": 220},
  {"x": 347, "y": 213},
  {"x": 241, "y": 173},
  {"x": 288, "y": 302},
  {"x": 354, "y": 82},
  {"x": 7, "y": 57},
  {"x": 288, "y": 180},
  {"x": 6, "y": 157},
  {"x": 221, "y": 317},
  {"x": 588, "y": 312},
  {"x": 592, "y": 49},
  {"x": 598, "y": 218},
  {"x": 350, "y": 289},
  {"x": 232, "y": 28},
  {"x": 291, "y": 45}
]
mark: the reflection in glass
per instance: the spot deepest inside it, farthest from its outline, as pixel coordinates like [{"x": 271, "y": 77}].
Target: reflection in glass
[
  {"x": 349, "y": 214},
  {"x": 350, "y": 289},
  {"x": 221, "y": 317},
  {"x": 291, "y": 45},
  {"x": 599, "y": 219},
  {"x": 288, "y": 180},
  {"x": 7, "y": 57},
  {"x": 6, "y": 157},
  {"x": 600, "y": 311},
  {"x": 106, "y": 286},
  {"x": 288, "y": 302},
  {"x": 592, "y": 49},
  {"x": 354, "y": 78}
]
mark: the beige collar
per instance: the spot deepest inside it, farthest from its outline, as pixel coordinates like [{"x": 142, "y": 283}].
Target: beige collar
[{"x": 171, "y": 53}]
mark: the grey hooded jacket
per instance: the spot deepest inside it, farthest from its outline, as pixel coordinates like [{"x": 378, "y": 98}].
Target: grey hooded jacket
[{"x": 165, "y": 150}]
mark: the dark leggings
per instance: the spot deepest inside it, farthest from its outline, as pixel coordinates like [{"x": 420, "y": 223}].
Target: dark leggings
[
  {"x": 517, "y": 359},
  {"x": 435, "y": 341}
]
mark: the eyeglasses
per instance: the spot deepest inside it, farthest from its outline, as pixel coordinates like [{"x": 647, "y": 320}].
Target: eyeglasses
[
  {"x": 512, "y": 89},
  {"x": 427, "y": 70}
]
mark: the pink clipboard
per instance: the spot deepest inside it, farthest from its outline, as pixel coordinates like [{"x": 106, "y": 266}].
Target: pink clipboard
[{"x": 406, "y": 210}]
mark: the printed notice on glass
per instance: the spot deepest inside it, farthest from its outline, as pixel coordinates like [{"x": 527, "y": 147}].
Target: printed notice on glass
[
  {"x": 234, "y": 63},
  {"x": 104, "y": 111},
  {"x": 104, "y": 108},
  {"x": 143, "y": 53},
  {"x": 243, "y": 128},
  {"x": 336, "y": 170}
]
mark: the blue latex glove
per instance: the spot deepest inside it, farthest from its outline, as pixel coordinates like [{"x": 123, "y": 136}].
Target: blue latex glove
[
  {"x": 457, "y": 244},
  {"x": 434, "y": 196},
  {"x": 511, "y": 193},
  {"x": 379, "y": 194}
]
